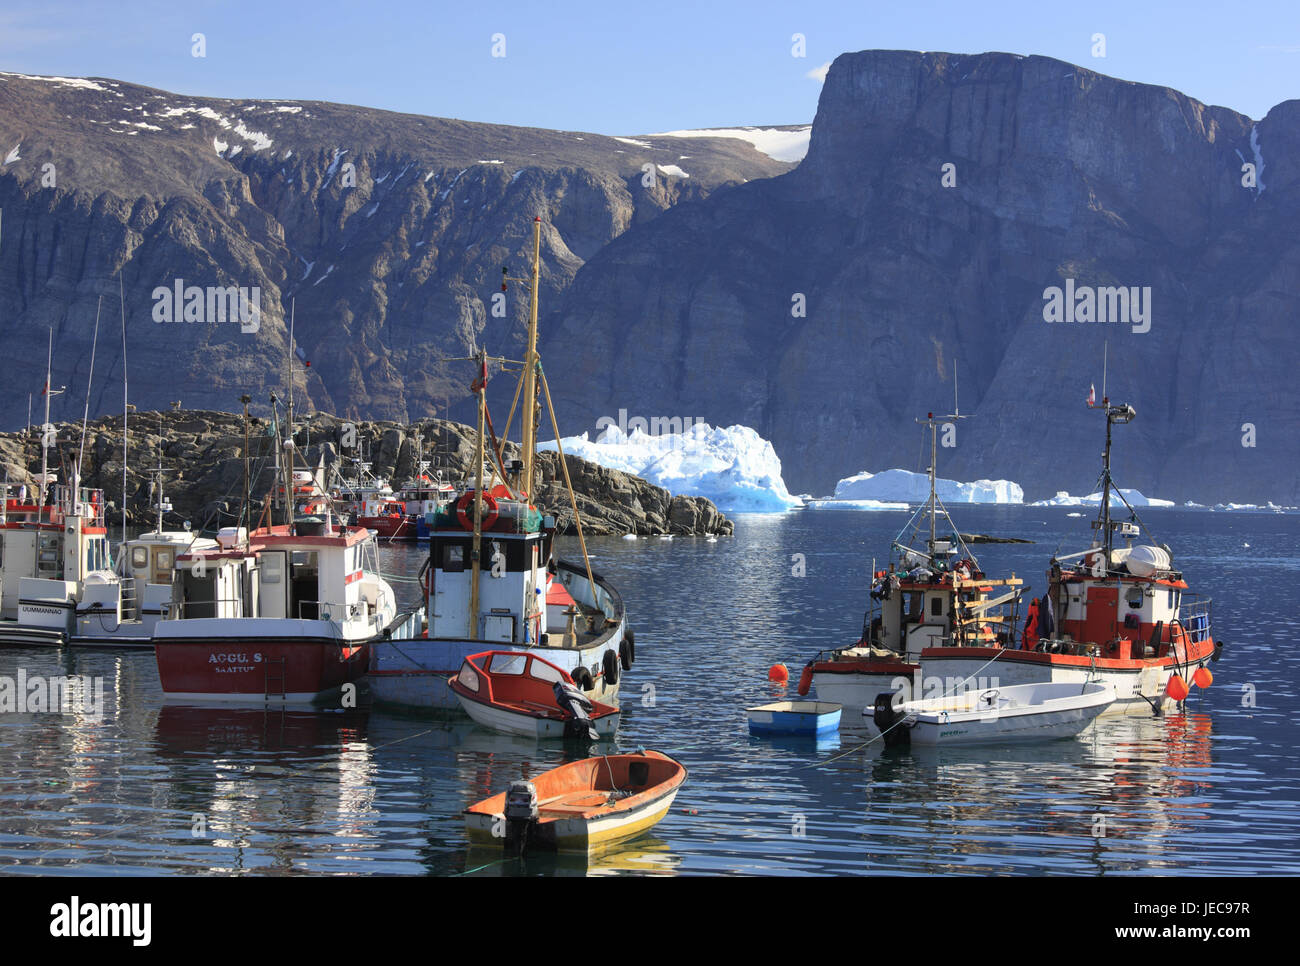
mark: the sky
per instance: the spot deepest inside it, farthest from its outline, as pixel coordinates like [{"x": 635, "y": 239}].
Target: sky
[{"x": 629, "y": 67}]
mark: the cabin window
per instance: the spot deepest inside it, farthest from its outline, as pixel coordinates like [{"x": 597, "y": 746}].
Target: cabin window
[
  {"x": 164, "y": 560},
  {"x": 544, "y": 672},
  {"x": 468, "y": 677},
  {"x": 453, "y": 559},
  {"x": 1172, "y": 594},
  {"x": 139, "y": 558},
  {"x": 936, "y": 606},
  {"x": 1134, "y": 598},
  {"x": 271, "y": 568},
  {"x": 508, "y": 663}
]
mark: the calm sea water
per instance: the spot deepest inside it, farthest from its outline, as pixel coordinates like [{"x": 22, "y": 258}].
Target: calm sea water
[{"x": 155, "y": 789}]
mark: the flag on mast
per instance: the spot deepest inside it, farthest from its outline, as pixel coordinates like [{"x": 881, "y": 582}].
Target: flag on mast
[{"x": 1092, "y": 396}]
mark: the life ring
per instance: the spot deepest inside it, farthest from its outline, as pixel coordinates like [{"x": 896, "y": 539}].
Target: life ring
[
  {"x": 609, "y": 663},
  {"x": 582, "y": 678},
  {"x": 464, "y": 510}
]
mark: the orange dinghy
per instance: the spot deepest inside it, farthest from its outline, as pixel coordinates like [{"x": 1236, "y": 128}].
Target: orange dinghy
[{"x": 584, "y": 806}]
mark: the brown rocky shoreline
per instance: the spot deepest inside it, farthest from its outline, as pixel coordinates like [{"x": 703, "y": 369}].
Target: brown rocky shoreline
[{"x": 202, "y": 453}]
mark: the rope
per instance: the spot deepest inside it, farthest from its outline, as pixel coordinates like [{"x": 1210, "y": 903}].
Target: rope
[{"x": 577, "y": 517}]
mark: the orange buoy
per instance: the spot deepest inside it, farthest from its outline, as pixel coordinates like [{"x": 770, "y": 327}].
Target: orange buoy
[
  {"x": 778, "y": 673},
  {"x": 805, "y": 679},
  {"x": 1202, "y": 678},
  {"x": 1176, "y": 688}
]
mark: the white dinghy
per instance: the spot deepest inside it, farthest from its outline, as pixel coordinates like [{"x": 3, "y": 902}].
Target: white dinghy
[{"x": 1019, "y": 712}]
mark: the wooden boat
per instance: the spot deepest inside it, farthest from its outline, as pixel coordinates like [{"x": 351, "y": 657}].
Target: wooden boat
[
  {"x": 524, "y": 694},
  {"x": 584, "y": 806},
  {"x": 810, "y": 718},
  {"x": 1023, "y": 712}
]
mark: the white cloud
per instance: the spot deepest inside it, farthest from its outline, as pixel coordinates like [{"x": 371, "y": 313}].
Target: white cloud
[{"x": 819, "y": 73}]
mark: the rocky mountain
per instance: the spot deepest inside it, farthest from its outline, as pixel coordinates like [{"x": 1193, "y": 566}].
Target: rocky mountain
[
  {"x": 383, "y": 235},
  {"x": 826, "y": 305},
  {"x": 830, "y": 306},
  {"x": 202, "y": 454}
]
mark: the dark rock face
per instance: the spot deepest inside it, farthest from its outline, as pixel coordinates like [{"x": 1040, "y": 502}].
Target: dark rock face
[
  {"x": 203, "y": 453},
  {"x": 1061, "y": 173},
  {"x": 382, "y": 234}
]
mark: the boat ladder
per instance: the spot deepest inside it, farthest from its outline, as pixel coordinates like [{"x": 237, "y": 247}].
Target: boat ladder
[
  {"x": 275, "y": 678},
  {"x": 128, "y": 600}
]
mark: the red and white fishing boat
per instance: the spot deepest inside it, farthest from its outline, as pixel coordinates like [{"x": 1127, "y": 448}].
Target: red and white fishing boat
[
  {"x": 1122, "y": 616},
  {"x": 525, "y": 694},
  {"x": 933, "y": 592},
  {"x": 282, "y": 618}
]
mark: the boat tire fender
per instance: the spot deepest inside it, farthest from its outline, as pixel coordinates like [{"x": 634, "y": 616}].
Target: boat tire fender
[
  {"x": 888, "y": 719},
  {"x": 609, "y": 664},
  {"x": 582, "y": 678}
]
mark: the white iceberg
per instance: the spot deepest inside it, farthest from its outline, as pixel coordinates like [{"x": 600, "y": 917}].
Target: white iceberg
[
  {"x": 1134, "y": 497},
  {"x": 853, "y": 505},
  {"x": 899, "y": 485},
  {"x": 734, "y": 467}
]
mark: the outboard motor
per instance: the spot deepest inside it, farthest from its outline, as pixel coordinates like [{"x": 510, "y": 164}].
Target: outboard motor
[
  {"x": 578, "y": 706},
  {"x": 521, "y": 814},
  {"x": 886, "y": 717}
]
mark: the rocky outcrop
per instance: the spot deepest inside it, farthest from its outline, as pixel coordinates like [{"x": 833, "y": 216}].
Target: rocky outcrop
[{"x": 202, "y": 455}]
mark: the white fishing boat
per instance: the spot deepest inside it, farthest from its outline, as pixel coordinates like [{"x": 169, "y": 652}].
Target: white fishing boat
[
  {"x": 1018, "y": 713},
  {"x": 491, "y": 578}
]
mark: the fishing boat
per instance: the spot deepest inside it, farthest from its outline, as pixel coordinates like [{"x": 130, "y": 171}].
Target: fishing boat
[
  {"x": 585, "y": 806},
  {"x": 1118, "y": 615},
  {"x": 491, "y": 577},
  {"x": 53, "y": 539},
  {"x": 522, "y": 693},
  {"x": 285, "y": 614},
  {"x": 1023, "y": 712},
  {"x": 933, "y": 592}
]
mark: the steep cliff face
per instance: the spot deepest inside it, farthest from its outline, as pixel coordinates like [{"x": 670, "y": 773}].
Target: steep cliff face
[
  {"x": 1057, "y": 173},
  {"x": 384, "y": 234}
]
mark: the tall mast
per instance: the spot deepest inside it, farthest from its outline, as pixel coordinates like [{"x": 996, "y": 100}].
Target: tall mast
[
  {"x": 45, "y": 435},
  {"x": 529, "y": 441},
  {"x": 1107, "y": 540},
  {"x": 288, "y": 416},
  {"x": 126, "y": 406},
  {"x": 475, "y": 555},
  {"x": 934, "y": 456}
]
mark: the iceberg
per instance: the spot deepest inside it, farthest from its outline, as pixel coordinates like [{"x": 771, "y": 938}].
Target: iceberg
[
  {"x": 829, "y": 504},
  {"x": 1134, "y": 497},
  {"x": 733, "y": 466},
  {"x": 902, "y": 485}
]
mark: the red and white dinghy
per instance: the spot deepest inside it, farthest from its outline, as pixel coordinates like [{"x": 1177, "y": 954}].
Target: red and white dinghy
[
  {"x": 281, "y": 617},
  {"x": 1122, "y": 616},
  {"x": 523, "y": 694}
]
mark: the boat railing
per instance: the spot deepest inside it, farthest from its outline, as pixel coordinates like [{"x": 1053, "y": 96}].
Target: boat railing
[
  {"x": 325, "y": 610},
  {"x": 1195, "y": 617},
  {"x": 182, "y": 609}
]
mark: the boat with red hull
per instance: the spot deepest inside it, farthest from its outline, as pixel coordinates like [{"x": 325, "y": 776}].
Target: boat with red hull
[
  {"x": 284, "y": 617},
  {"x": 1122, "y": 616}
]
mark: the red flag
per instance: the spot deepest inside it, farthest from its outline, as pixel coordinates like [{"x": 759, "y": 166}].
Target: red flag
[
  {"x": 481, "y": 381},
  {"x": 1092, "y": 396}
]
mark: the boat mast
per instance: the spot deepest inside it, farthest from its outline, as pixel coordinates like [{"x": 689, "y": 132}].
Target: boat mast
[
  {"x": 475, "y": 567},
  {"x": 243, "y": 510},
  {"x": 126, "y": 406},
  {"x": 45, "y": 426},
  {"x": 288, "y": 416},
  {"x": 934, "y": 457},
  {"x": 529, "y": 441}
]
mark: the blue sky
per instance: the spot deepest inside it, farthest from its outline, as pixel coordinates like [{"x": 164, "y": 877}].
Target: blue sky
[{"x": 628, "y": 67}]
